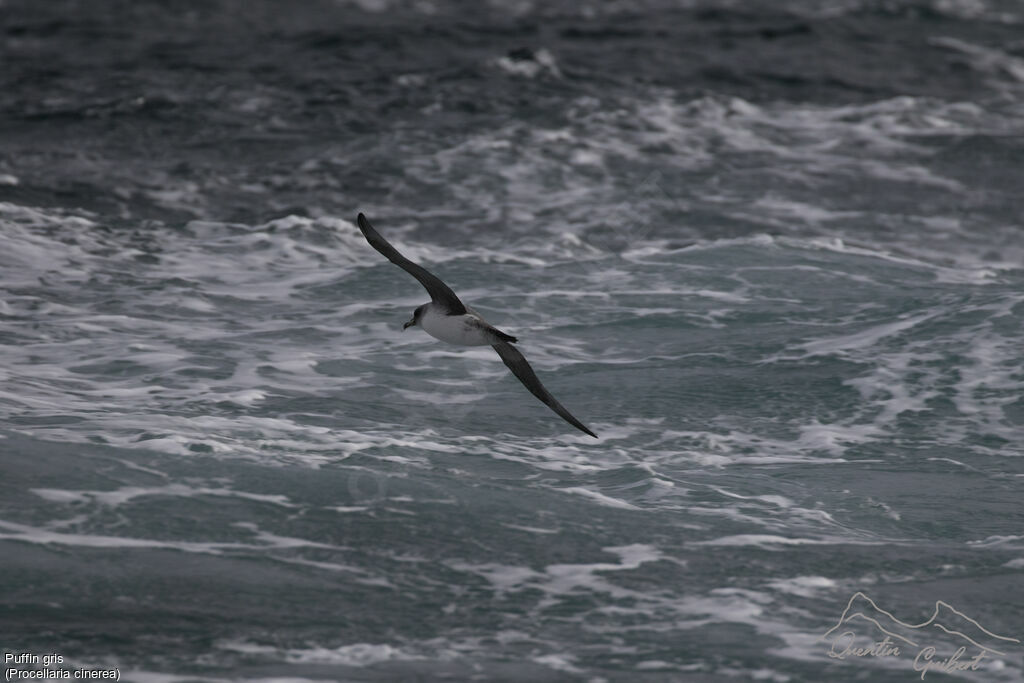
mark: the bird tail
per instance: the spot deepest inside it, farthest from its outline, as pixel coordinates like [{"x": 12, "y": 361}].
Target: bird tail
[{"x": 505, "y": 337}]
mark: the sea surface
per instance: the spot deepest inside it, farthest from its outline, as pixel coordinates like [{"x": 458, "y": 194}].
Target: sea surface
[{"x": 770, "y": 252}]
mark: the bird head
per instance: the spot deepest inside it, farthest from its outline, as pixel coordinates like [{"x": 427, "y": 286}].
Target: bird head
[{"x": 416, "y": 315}]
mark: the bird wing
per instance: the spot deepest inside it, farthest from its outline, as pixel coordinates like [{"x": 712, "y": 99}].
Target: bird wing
[
  {"x": 521, "y": 369},
  {"x": 439, "y": 292}
]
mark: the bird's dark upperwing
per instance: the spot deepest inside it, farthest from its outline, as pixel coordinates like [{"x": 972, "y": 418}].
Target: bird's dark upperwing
[
  {"x": 439, "y": 292},
  {"x": 522, "y": 370}
]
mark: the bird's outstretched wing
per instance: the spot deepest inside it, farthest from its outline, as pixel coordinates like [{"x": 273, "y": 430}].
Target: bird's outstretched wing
[
  {"x": 522, "y": 370},
  {"x": 439, "y": 292}
]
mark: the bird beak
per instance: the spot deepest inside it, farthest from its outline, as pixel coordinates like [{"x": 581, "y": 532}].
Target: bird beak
[{"x": 408, "y": 324}]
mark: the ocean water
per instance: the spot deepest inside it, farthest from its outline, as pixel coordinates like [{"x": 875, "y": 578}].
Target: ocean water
[{"x": 771, "y": 252}]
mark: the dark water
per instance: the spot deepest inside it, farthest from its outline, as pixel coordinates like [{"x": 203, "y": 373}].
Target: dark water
[{"x": 769, "y": 251}]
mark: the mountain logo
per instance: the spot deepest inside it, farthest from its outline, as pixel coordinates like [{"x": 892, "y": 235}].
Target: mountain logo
[{"x": 867, "y": 630}]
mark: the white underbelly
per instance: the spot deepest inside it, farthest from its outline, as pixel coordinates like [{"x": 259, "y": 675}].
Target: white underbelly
[{"x": 454, "y": 329}]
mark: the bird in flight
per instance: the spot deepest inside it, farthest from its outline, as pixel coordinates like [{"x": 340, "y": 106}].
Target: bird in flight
[{"x": 448, "y": 319}]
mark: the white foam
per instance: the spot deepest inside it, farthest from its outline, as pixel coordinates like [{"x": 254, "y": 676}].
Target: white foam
[
  {"x": 29, "y": 534},
  {"x": 41, "y": 536},
  {"x": 769, "y": 541},
  {"x": 559, "y": 662},
  {"x": 530, "y": 529},
  {"x": 356, "y": 654},
  {"x": 862, "y": 339},
  {"x": 985, "y": 59},
  {"x": 558, "y": 580},
  {"x": 353, "y": 654},
  {"x": 601, "y": 498},
  {"x": 1007, "y": 541},
  {"x": 126, "y": 493},
  {"x": 803, "y": 586}
]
